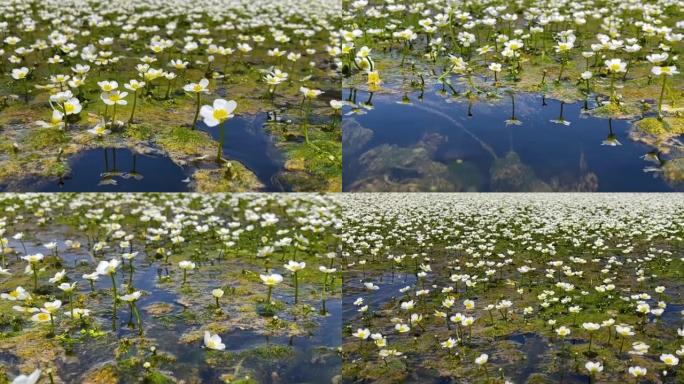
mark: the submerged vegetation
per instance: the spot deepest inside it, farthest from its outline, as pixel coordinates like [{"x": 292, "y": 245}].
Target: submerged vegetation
[
  {"x": 164, "y": 288},
  {"x": 80, "y": 74},
  {"x": 503, "y": 288},
  {"x": 621, "y": 59}
]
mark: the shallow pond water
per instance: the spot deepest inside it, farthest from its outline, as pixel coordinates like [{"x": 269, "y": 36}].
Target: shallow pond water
[
  {"x": 312, "y": 358},
  {"x": 522, "y": 142},
  {"x": 286, "y": 342},
  {"x": 118, "y": 170},
  {"x": 247, "y": 141},
  {"x": 432, "y": 257},
  {"x": 122, "y": 170},
  {"x": 388, "y": 288}
]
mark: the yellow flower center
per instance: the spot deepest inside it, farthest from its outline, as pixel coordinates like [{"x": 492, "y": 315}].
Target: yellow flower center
[
  {"x": 69, "y": 108},
  {"x": 220, "y": 114}
]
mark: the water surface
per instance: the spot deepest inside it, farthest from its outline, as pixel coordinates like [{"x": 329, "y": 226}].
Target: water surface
[{"x": 519, "y": 142}]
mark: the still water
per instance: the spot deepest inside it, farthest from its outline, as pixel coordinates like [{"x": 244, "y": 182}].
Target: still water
[{"x": 519, "y": 142}]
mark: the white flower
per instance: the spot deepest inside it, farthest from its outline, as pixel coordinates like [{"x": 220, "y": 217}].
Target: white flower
[
  {"x": 66, "y": 287},
  {"x": 20, "y": 73},
  {"x": 637, "y": 371},
  {"x": 669, "y": 359},
  {"x": 200, "y": 87},
  {"x": 593, "y": 367},
  {"x": 563, "y": 331},
  {"x": 33, "y": 258},
  {"x": 657, "y": 58},
  {"x": 30, "y": 379},
  {"x": 131, "y": 297},
  {"x": 185, "y": 264},
  {"x": 591, "y": 326},
  {"x": 213, "y": 341},
  {"x": 271, "y": 279},
  {"x": 134, "y": 85},
  {"x": 362, "y": 334},
  {"x": 59, "y": 276},
  {"x": 72, "y": 106},
  {"x": 221, "y": 111},
  {"x": 495, "y": 67},
  {"x": 56, "y": 121},
  {"x": 108, "y": 86},
  {"x": 99, "y": 130},
  {"x": 449, "y": 343},
  {"x": 666, "y": 71},
  {"x": 107, "y": 267},
  {"x": 52, "y": 306},
  {"x": 337, "y": 104},
  {"x": 310, "y": 93},
  {"x": 294, "y": 266},
  {"x": 18, "y": 294},
  {"x": 616, "y": 65},
  {"x": 114, "y": 97},
  {"x": 482, "y": 359}
]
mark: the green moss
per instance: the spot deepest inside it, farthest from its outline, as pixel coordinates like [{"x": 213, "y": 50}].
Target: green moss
[
  {"x": 139, "y": 132},
  {"x": 234, "y": 177},
  {"x": 43, "y": 138},
  {"x": 538, "y": 378},
  {"x": 34, "y": 349},
  {"x": 185, "y": 141},
  {"x": 673, "y": 170},
  {"x": 10, "y": 168},
  {"x": 156, "y": 377},
  {"x": 652, "y": 126},
  {"x": 669, "y": 126},
  {"x": 106, "y": 374},
  {"x": 3, "y": 376},
  {"x": 616, "y": 111},
  {"x": 57, "y": 169},
  {"x": 271, "y": 352},
  {"x": 232, "y": 379}
]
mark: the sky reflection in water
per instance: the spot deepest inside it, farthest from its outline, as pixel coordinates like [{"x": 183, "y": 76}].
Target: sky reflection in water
[{"x": 520, "y": 143}]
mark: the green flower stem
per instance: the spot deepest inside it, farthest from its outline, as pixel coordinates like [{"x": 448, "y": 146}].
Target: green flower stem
[
  {"x": 296, "y": 284},
  {"x": 135, "y": 102},
  {"x": 134, "y": 309},
  {"x": 219, "y": 154},
  {"x": 115, "y": 294},
  {"x": 35, "y": 277},
  {"x": 662, "y": 94},
  {"x": 194, "y": 121}
]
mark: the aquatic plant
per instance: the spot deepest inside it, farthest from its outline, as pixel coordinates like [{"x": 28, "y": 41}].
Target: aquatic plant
[
  {"x": 295, "y": 267},
  {"x": 541, "y": 272},
  {"x": 143, "y": 242},
  {"x": 186, "y": 266},
  {"x": 218, "y": 114},
  {"x": 33, "y": 261},
  {"x": 109, "y": 268},
  {"x": 28, "y": 379},
  {"x": 271, "y": 281},
  {"x": 139, "y": 61},
  {"x": 213, "y": 341}
]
